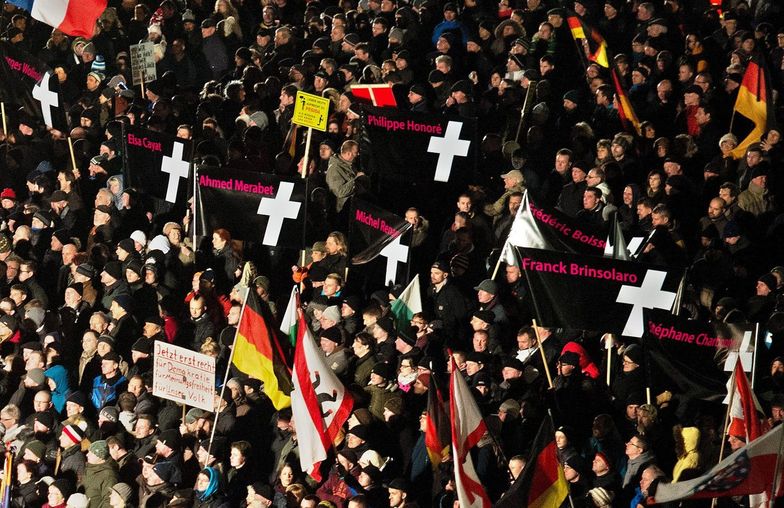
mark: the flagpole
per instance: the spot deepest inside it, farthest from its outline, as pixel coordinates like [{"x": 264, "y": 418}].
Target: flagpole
[
  {"x": 727, "y": 420},
  {"x": 754, "y": 355},
  {"x": 777, "y": 471},
  {"x": 70, "y": 148},
  {"x": 304, "y": 170},
  {"x": 500, "y": 257},
  {"x": 5, "y": 125},
  {"x": 228, "y": 369},
  {"x": 544, "y": 358},
  {"x": 608, "y": 340}
]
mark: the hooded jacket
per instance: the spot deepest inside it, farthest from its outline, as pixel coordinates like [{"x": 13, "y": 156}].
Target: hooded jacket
[{"x": 691, "y": 457}]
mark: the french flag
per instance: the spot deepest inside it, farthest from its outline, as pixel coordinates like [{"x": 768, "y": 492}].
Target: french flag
[{"x": 72, "y": 17}]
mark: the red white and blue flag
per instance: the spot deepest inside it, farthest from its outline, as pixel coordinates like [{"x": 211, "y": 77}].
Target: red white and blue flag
[{"x": 72, "y": 17}]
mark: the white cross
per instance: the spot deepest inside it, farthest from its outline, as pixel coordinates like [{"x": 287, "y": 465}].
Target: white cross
[
  {"x": 647, "y": 296},
  {"x": 177, "y": 168},
  {"x": 447, "y": 148},
  {"x": 46, "y": 97},
  {"x": 743, "y": 353},
  {"x": 395, "y": 253},
  {"x": 278, "y": 209}
]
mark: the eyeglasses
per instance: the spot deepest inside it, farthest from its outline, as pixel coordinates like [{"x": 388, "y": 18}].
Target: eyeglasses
[{"x": 634, "y": 445}]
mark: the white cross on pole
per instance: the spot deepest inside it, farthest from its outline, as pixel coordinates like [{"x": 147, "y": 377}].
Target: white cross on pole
[
  {"x": 46, "y": 97},
  {"x": 743, "y": 354},
  {"x": 447, "y": 148},
  {"x": 278, "y": 209},
  {"x": 648, "y": 296},
  {"x": 395, "y": 253},
  {"x": 177, "y": 168}
]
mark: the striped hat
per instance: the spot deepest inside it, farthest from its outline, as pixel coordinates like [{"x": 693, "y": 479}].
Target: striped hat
[
  {"x": 74, "y": 433},
  {"x": 99, "y": 64}
]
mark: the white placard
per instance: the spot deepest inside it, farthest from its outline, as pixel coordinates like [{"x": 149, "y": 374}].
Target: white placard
[
  {"x": 183, "y": 376},
  {"x": 143, "y": 63}
]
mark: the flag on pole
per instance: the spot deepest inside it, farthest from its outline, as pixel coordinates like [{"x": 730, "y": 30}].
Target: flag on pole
[
  {"x": 624, "y": 106},
  {"x": 596, "y": 50},
  {"x": 615, "y": 246},
  {"x": 747, "y": 471},
  {"x": 754, "y": 105},
  {"x": 542, "y": 483},
  {"x": 257, "y": 353},
  {"x": 321, "y": 403},
  {"x": 744, "y": 417},
  {"x": 408, "y": 304},
  {"x": 72, "y": 17},
  {"x": 438, "y": 427},
  {"x": 290, "y": 323},
  {"x": 468, "y": 427}
]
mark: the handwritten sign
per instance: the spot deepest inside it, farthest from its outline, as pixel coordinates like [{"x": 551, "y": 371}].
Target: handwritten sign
[
  {"x": 183, "y": 376},
  {"x": 311, "y": 111},
  {"x": 143, "y": 63}
]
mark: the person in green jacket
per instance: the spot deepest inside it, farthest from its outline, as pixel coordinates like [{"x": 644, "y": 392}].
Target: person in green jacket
[{"x": 100, "y": 475}]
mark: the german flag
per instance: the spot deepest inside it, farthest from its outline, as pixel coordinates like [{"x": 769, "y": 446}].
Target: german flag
[
  {"x": 257, "y": 352},
  {"x": 290, "y": 143},
  {"x": 437, "y": 434},
  {"x": 753, "y": 106},
  {"x": 542, "y": 483},
  {"x": 595, "y": 46},
  {"x": 624, "y": 105}
]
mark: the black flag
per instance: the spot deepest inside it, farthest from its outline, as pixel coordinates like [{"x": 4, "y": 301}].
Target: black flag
[
  {"x": 690, "y": 353},
  {"x": 376, "y": 233},
  {"x": 542, "y": 228},
  {"x": 603, "y": 295},
  {"x": 256, "y": 207},
  {"x": 418, "y": 147},
  {"x": 27, "y": 82},
  {"x": 157, "y": 164}
]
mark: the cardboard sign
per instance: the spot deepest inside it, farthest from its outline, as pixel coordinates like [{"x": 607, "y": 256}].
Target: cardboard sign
[
  {"x": 311, "y": 111},
  {"x": 143, "y": 63},
  {"x": 183, "y": 376}
]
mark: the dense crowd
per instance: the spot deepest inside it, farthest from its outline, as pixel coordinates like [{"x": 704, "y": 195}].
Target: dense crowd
[{"x": 92, "y": 272}]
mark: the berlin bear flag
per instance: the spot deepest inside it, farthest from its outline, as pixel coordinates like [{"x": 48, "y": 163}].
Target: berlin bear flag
[
  {"x": 257, "y": 207},
  {"x": 320, "y": 404},
  {"x": 605, "y": 295},
  {"x": 418, "y": 147},
  {"x": 157, "y": 164}
]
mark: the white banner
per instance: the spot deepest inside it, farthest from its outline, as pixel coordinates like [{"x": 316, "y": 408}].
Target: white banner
[
  {"x": 183, "y": 376},
  {"x": 143, "y": 63}
]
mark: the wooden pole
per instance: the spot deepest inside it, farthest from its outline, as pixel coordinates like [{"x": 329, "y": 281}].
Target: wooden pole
[
  {"x": 608, "y": 340},
  {"x": 226, "y": 376},
  {"x": 5, "y": 122},
  {"x": 544, "y": 358},
  {"x": 73, "y": 156},
  {"x": 304, "y": 170}
]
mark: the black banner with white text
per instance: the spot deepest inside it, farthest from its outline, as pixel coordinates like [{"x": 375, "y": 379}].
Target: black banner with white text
[
  {"x": 257, "y": 207},
  {"x": 597, "y": 294}
]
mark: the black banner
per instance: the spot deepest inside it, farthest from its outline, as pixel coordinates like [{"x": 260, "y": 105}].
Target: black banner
[
  {"x": 541, "y": 228},
  {"x": 157, "y": 164},
  {"x": 597, "y": 294},
  {"x": 257, "y": 207},
  {"x": 26, "y": 81},
  {"x": 691, "y": 353},
  {"x": 418, "y": 147},
  {"x": 376, "y": 233}
]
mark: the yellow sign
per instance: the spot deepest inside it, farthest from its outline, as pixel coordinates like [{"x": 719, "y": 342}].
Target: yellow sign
[{"x": 311, "y": 111}]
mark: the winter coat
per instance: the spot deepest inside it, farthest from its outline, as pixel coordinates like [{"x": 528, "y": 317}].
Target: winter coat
[
  {"x": 100, "y": 479},
  {"x": 691, "y": 458},
  {"x": 755, "y": 200},
  {"x": 341, "y": 180}
]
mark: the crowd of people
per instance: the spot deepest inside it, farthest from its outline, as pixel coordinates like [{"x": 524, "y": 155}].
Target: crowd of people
[{"x": 92, "y": 272}]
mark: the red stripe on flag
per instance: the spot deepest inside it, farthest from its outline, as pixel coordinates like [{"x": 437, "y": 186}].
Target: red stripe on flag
[{"x": 80, "y": 17}]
